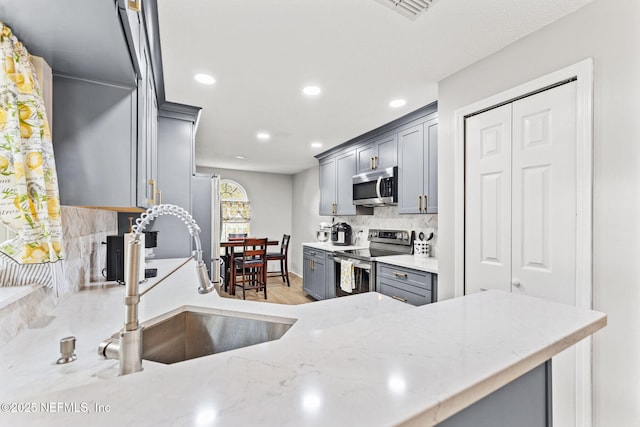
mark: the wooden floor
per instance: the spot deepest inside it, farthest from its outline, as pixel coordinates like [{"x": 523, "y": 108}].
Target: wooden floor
[{"x": 277, "y": 292}]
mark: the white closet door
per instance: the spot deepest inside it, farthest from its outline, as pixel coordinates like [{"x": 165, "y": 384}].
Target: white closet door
[
  {"x": 520, "y": 217},
  {"x": 488, "y": 200},
  {"x": 544, "y": 194},
  {"x": 544, "y": 217}
]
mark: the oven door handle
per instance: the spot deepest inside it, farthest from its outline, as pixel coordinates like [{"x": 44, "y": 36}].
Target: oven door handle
[{"x": 356, "y": 264}]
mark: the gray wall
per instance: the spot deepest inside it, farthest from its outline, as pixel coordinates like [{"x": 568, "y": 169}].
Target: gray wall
[
  {"x": 609, "y": 32},
  {"x": 270, "y": 195}
]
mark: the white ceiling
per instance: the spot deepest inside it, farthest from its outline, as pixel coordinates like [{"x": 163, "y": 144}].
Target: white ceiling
[{"x": 361, "y": 53}]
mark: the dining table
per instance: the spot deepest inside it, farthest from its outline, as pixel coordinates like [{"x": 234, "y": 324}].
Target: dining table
[{"x": 229, "y": 253}]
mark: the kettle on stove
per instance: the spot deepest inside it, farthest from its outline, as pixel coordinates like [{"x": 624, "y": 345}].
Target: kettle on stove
[{"x": 341, "y": 234}]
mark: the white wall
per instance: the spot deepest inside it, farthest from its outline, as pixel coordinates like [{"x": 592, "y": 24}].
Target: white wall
[
  {"x": 609, "y": 32},
  {"x": 306, "y": 193},
  {"x": 270, "y": 197}
]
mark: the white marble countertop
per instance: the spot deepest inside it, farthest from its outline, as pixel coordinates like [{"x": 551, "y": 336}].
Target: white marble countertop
[
  {"x": 357, "y": 360},
  {"x": 327, "y": 246},
  {"x": 96, "y": 313},
  {"x": 430, "y": 265}
]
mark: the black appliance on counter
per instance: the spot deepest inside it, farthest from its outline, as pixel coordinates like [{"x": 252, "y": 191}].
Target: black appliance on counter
[
  {"x": 341, "y": 234},
  {"x": 381, "y": 243},
  {"x": 115, "y": 259},
  {"x": 115, "y": 256}
]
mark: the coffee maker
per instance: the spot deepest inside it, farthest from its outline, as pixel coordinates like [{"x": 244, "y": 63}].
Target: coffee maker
[
  {"x": 116, "y": 255},
  {"x": 341, "y": 234}
]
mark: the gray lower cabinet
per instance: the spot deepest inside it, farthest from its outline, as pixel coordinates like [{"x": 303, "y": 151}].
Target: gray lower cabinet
[
  {"x": 418, "y": 168},
  {"x": 329, "y": 276},
  {"x": 524, "y": 402},
  {"x": 407, "y": 285},
  {"x": 314, "y": 273}
]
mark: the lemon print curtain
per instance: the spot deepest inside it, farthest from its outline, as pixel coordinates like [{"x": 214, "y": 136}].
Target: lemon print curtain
[{"x": 29, "y": 200}]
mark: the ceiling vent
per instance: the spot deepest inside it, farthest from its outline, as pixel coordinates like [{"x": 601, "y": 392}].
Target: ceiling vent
[{"x": 408, "y": 8}]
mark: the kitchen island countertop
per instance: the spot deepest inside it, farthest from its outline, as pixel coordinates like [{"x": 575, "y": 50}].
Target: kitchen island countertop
[{"x": 357, "y": 360}]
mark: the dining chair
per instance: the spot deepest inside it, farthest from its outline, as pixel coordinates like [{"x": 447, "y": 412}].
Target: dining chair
[
  {"x": 282, "y": 257},
  {"x": 251, "y": 267},
  {"x": 226, "y": 258}
]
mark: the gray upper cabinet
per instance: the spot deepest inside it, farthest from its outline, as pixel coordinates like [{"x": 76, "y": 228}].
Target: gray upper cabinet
[
  {"x": 418, "y": 168},
  {"x": 104, "y": 132},
  {"x": 336, "y": 185},
  {"x": 176, "y": 139},
  {"x": 328, "y": 186},
  {"x": 379, "y": 154},
  {"x": 410, "y": 142},
  {"x": 147, "y": 176},
  {"x": 345, "y": 169},
  {"x": 94, "y": 141}
]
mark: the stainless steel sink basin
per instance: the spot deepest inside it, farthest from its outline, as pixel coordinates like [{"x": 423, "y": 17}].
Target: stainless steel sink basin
[{"x": 195, "y": 333}]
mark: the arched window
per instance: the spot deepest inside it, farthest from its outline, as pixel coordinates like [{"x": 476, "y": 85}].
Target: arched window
[{"x": 236, "y": 208}]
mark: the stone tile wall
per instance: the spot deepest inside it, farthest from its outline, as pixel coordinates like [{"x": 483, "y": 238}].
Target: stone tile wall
[
  {"x": 387, "y": 217},
  {"x": 84, "y": 231}
]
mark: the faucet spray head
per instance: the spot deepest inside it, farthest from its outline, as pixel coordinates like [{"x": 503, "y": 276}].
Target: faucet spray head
[{"x": 205, "y": 284}]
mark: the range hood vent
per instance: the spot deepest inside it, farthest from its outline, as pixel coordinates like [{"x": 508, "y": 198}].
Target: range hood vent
[{"x": 408, "y": 8}]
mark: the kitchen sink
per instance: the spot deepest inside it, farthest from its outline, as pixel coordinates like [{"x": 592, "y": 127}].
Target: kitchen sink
[{"x": 193, "y": 333}]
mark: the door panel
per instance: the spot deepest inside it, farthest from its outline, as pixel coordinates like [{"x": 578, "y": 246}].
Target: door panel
[
  {"x": 346, "y": 168},
  {"x": 387, "y": 152},
  {"x": 544, "y": 208},
  {"x": 411, "y": 169},
  {"x": 327, "y": 186},
  {"x": 431, "y": 165},
  {"x": 521, "y": 183},
  {"x": 488, "y": 201}
]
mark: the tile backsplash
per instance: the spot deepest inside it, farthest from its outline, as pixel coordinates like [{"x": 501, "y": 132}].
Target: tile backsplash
[
  {"x": 387, "y": 217},
  {"x": 84, "y": 231}
]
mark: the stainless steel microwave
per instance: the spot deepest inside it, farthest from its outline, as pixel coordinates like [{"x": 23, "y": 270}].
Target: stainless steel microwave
[{"x": 376, "y": 188}]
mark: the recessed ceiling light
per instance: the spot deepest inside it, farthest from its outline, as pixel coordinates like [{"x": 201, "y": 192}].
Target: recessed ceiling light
[
  {"x": 316, "y": 144},
  {"x": 311, "y": 90},
  {"x": 205, "y": 79},
  {"x": 263, "y": 136},
  {"x": 240, "y": 157},
  {"x": 397, "y": 103}
]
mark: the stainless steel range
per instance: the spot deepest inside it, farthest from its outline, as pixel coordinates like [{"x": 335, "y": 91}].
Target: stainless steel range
[{"x": 355, "y": 269}]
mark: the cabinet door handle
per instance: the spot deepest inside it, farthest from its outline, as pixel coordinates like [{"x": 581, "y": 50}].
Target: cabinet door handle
[
  {"x": 159, "y": 193},
  {"x": 152, "y": 182},
  {"x": 399, "y": 298},
  {"x": 370, "y": 162},
  {"x": 425, "y": 203},
  {"x": 403, "y": 275},
  {"x": 516, "y": 283},
  {"x": 419, "y": 203},
  {"x": 375, "y": 162}
]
